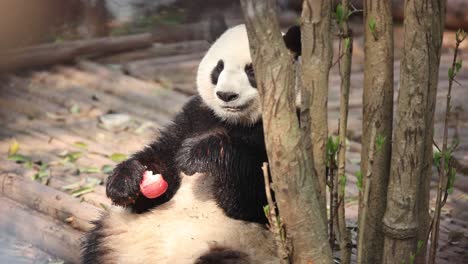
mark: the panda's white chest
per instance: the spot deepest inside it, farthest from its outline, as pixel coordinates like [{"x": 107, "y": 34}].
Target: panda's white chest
[{"x": 181, "y": 230}]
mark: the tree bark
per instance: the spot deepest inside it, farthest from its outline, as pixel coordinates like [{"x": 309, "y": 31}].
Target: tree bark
[
  {"x": 291, "y": 164},
  {"x": 378, "y": 113},
  {"x": 455, "y": 18},
  {"x": 437, "y": 31},
  {"x": 415, "y": 109},
  {"x": 316, "y": 62}
]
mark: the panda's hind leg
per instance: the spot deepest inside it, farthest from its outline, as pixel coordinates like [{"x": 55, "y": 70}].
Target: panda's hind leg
[{"x": 223, "y": 255}]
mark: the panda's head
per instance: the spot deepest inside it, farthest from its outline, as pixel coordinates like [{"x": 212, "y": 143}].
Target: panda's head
[{"x": 226, "y": 80}]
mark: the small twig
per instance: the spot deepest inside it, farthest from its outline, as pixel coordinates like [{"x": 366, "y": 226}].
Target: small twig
[
  {"x": 435, "y": 144},
  {"x": 274, "y": 220},
  {"x": 346, "y": 47},
  {"x": 337, "y": 60},
  {"x": 443, "y": 172},
  {"x": 333, "y": 207},
  {"x": 367, "y": 180}
]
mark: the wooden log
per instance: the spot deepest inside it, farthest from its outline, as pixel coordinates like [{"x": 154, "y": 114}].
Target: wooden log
[
  {"x": 177, "y": 69},
  {"x": 163, "y": 101},
  {"x": 13, "y": 250},
  {"x": 97, "y": 198},
  {"x": 44, "y": 199},
  {"x": 49, "y": 54},
  {"x": 157, "y": 50},
  {"x": 43, "y": 232}
]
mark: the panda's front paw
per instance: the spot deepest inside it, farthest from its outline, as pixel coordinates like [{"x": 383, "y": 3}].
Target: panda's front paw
[{"x": 123, "y": 185}]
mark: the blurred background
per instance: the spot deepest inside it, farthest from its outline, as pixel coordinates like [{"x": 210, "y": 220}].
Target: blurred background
[{"x": 85, "y": 83}]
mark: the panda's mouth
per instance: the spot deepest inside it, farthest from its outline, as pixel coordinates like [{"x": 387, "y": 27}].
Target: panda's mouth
[{"x": 236, "y": 109}]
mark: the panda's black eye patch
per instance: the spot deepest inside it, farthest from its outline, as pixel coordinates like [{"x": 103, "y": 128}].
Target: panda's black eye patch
[
  {"x": 250, "y": 74},
  {"x": 217, "y": 71}
]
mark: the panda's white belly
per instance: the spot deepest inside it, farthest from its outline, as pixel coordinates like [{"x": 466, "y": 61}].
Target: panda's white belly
[{"x": 182, "y": 230}]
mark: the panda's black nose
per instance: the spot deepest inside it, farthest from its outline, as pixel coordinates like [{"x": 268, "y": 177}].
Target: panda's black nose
[{"x": 227, "y": 96}]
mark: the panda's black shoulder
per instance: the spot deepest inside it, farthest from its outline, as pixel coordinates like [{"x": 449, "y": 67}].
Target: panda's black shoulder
[{"x": 201, "y": 116}]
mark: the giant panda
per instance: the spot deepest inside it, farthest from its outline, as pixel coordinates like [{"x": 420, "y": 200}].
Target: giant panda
[{"x": 211, "y": 158}]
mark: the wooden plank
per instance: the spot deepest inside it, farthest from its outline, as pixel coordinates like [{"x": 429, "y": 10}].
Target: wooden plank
[
  {"x": 157, "y": 50},
  {"x": 49, "y": 54},
  {"x": 44, "y": 232},
  {"x": 48, "y": 201}
]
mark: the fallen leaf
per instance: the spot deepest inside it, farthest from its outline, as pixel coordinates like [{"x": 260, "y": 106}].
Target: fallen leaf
[
  {"x": 118, "y": 157},
  {"x": 107, "y": 169},
  {"x": 81, "y": 191},
  {"x": 14, "y": 147},
  {"x": 75, "y": 109},
  {"x": 18, "y": 158},
  {"x": 80, "y": 144}
]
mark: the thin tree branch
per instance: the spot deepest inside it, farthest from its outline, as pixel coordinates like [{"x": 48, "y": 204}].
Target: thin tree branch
[
  {"x": 364, "y": 206},
  {"x": 275, "y": 220},
  {"x": 443, "y": 172}
]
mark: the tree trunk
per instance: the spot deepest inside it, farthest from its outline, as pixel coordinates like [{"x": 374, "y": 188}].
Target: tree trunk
[
  {"x": 455, "y": 18},
  {"x": 415, "y": 107},
  {"x": 437, "y": 31},
  {"x": 316, "y": 61},
  {"x": 344, "y": 235},
  {"x": 292, "y": 167},
  {"x": 378, "y": 115}
]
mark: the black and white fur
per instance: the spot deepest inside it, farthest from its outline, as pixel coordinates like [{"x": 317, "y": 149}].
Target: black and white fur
[{"x": 215, "y": 215}]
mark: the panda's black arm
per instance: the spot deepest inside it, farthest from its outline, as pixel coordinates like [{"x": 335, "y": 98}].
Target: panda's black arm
[
  {"x": 235, "y": 164},
  {"x": 123, "y": 185}
]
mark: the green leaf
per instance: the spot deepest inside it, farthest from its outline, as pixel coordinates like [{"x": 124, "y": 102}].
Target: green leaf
[
  {"x": 412, "y": 258},
  {"x": 75, "y": 109},
  {"x": 420, "y": 244},
  {"x": 118, "y": 157},
  {"x": 436, "y": 158},
  {"x": 18, "y": 158},
  {"x": 450, "y": 73},
  {"x": 107, "y": 169},
  {"x": 266, "y": 210},
  {"x": 372, "y": 24},
  {"x": 458, "y": 66},
  {"x": 451, "y": 180},
  {"x": 91, "y": 182},
  {"x": 339, "y": 14},
  {"x": 89, "y": 170},
  {"x": 73, "y": 156},
  {"x": 104, "y": 206},
  {"x": 14, "y": 147},
  {"x": 379, "y": 142},
  {"x": 80, "y": 144},
  {"x": 347, "y": 43},
  {"x": 81, "y": 191},
  {"x": 72, "y": 186},
  {"x": 343, "y": 181},
  {"x": 359, "y": 180},
  {"x": 42, "y": 174}
]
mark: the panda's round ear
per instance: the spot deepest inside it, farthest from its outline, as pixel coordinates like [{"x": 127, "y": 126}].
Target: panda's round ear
[{"x": 292, "y": 39}]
